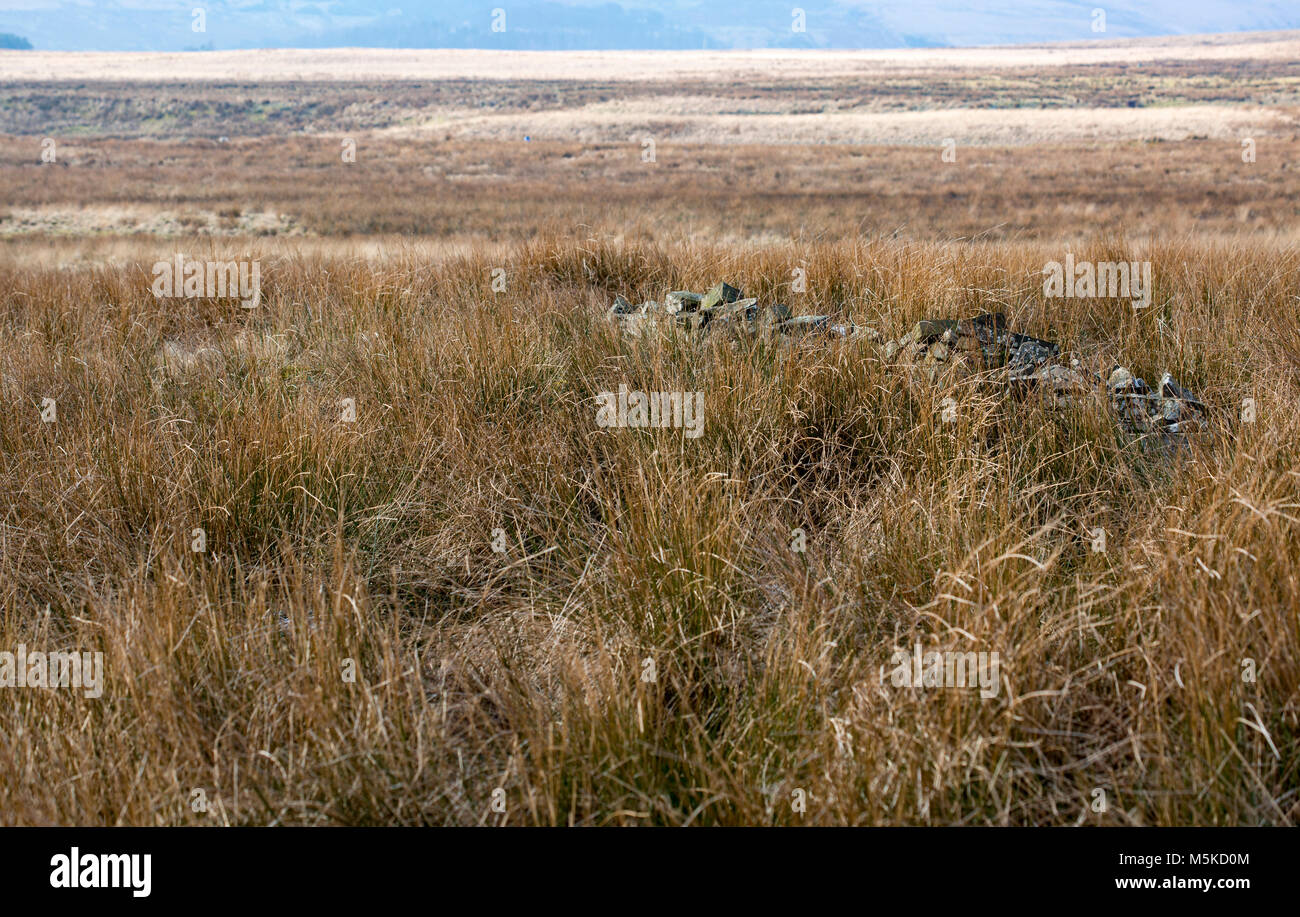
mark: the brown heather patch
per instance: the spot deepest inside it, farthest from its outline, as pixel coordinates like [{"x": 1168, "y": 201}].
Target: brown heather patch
[{"x": 480, "y": 194}]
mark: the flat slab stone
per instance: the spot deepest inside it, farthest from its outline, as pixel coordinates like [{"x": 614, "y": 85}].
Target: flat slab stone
[
  {"x": 806, "y": 324},
  {"x": 720, "y": 295}
]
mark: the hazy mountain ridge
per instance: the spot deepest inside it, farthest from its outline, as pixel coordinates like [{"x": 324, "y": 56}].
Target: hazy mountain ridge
[{"x": 153, "y": 25}]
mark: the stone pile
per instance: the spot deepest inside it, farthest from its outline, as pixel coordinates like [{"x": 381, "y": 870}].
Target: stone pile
[
  {"x": 941, "y": 348},
  {"x": 1170, "y": 410},
  {"x": 972, "y": 345},
  {"x": 723, "y": 307},
  {"x": 1028, "y": 364}
]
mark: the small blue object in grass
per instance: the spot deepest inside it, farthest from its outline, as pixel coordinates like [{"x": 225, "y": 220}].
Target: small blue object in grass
[{"x": 527, "y": 138}]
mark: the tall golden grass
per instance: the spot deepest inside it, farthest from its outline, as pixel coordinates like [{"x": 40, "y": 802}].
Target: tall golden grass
[{"x": 630, "y": 553}]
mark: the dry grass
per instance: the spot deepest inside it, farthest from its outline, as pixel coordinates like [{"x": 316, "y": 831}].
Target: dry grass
[
  {"x": 371, "y": 541},
  {"x": 485, "y": 193},
  {"x": 366, "y": 547}
]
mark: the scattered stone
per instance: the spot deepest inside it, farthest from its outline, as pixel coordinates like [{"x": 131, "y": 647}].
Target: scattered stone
[
  {"x": 1030, "y": 351},
  {"x": 1170, "y": 411},
  {"x": 1131, "y": 400},
  {"x": 721, "y": 294},
  {"x": 981, "y": 343},
  {"x": 928, "y": 331},
  {"x": 1170, "y": 389},
  {"x": 746, "y": 309},
  {"x": 806, "y": 324},
  {"x": 1061, "y": 384},
  {"x": 682, "y": 301},
  {"x": 692, "y": 321},
  {"x": 770, "y": 318},
  {"x": 1179, "y": 408},
  {"x": 741, "y": 315}
]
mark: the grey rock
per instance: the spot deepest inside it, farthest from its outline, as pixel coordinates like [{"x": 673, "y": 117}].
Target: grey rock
[
  {"x": 740, "y": 316},
  {"x": 692, "y": 321},
  {"x": 746, "y": 309},
  {"x": 806, "y": 324},
  {"x": 721, "y": 294},
  {"x": 927, "y": 331},
  {"x": 1133, "y": 401},
  {"x": 682, "y": 301},
  {"x": 1171, "y": 389},
  {"x": 1123, "y": 382},
  {"x": 1179, "y": 408},
  {"x": 639, "y": 323},
  {"x": 1055, "y": 381},
  {"x": 777, "y": 313},
  {"x": 987, "y": 327},
  {"x": 1026, "y": 350}
]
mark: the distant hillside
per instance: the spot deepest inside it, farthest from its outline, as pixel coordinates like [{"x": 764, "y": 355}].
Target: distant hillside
[
  {"x": 133, "y": 25},
  {"x": 14, "y": 42}
]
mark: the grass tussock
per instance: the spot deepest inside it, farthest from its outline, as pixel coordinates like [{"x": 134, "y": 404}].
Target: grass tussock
[{"x": 349, "y": 647}]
